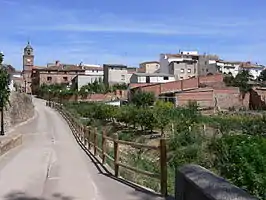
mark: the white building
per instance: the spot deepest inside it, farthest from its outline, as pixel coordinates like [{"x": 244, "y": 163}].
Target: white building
[
  {"x": 92, "y": 73},
  {"x": 228, "y": 67},
  {"x": 166, "y": 59},
  {"x": 151, "y": 78},
  {"x": 254, "y": 69}
]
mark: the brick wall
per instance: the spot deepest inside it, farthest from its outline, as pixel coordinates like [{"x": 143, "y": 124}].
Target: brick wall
[
  {"x": 204, "y": 97},
  {"x": 231, "y": 97},
  {"x": 171, "y": 86},
  {"x": 156, "y": 89},
  {"x": 190, "y": 84},
  {"x": 211, "y": 79}
]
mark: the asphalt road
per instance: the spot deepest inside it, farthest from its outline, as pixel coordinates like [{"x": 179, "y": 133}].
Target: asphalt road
[{"x": 51, "y": 165}]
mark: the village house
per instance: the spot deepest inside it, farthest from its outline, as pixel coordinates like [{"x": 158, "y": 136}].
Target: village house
[
  {"x": 228, "y": 67},
  {"x": 149, "y": 67},
  {"x": 115, "y": 74},
  {"x": 188, "y": 64},
  {"x": 55, "y": 74},
  {"x": 91, "y": 75}
]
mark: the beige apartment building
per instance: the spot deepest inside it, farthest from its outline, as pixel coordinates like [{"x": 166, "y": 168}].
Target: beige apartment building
[
  {"x": 115, "y": 74},
  {"x": 188, "y": 64},
  {"x": 149, "y": 67}
]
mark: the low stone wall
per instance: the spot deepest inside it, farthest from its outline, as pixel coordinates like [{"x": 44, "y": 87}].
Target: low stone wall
[
  {"x": 10, "y": 143},
  {"x": 197, "y": 183},
  {"x": 20, "y": 109}
]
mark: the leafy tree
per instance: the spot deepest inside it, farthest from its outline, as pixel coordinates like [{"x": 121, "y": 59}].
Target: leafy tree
[
  {"x": 146, "y": 119},
  {"x": 162, "y": 114},
  {"x": 4, "y": 89},
  {"x": 241, "y": 81},
  {"x": 143, "y": 99}
]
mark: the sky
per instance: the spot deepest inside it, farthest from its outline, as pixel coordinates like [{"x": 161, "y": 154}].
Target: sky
[{"x": 132, "y": 31}]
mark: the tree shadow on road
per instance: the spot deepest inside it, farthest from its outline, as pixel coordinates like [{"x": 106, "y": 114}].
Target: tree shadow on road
[{"x": 23, "y": 196}]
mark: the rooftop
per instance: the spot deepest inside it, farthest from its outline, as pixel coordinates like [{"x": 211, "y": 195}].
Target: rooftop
[
  {"x": 229, "y": 62},
  {"x": 149, "y": 62},
  {"x": 115, "y": 65},
  {"x": 153, "y": 74}
]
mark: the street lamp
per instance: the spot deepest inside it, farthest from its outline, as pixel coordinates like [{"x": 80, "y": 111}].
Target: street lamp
[
  {"x": 25, "y": 82},
  {"x": 49, "y": 98},
  {"x": 60, "y": 94}
]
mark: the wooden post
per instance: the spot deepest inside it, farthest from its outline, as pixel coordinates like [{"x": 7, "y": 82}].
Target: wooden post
[
  {"x": 116, "y": 155},
  {"x": 86, "y": 136},
  {"x": 95, "y": 141},
  {"x": 89, "y": 138},
  {"x": 103, "y": 146},
  {"x": 163, "y": 165}
]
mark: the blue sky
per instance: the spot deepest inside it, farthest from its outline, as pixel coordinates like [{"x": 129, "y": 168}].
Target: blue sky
[{"x": 133, "y": 31}]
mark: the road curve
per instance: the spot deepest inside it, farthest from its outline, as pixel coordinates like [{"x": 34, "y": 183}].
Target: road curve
[{"x": 51, "y": 165}]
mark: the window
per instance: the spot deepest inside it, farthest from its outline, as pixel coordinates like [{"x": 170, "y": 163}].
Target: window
[
  {"x": 65, "y": 78},
  {"x": 181, "y": 77},
  {"x": 122, "y": 77},
  {"x": 49, "y": 72},
  {"x": 188, "y": 70},
  {"x": 49, "y": 78},
  {"x": 165, "y": 78},
  {"x": 207, "y": 70},
  {"x": 148, "y": 79},
  {"x": 92, "y": 70},
  {"x": 65, "y": 72},
  {"x": 182, "y": 70}
]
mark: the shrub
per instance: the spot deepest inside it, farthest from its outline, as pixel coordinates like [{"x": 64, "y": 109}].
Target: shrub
[
  {"x": 143, "y": 99},
  {"x": 242, "y": 160}
]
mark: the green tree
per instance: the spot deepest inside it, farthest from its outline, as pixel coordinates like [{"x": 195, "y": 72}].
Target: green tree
[
  {"x": 143, "y": 99},
  {"x": 241, "y": 81},
  {"x": 4, "y": 89},
  {"x": 162, "y": 114}
]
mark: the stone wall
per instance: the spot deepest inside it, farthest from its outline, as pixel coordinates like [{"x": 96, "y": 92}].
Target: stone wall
[{"x": 20, "y": 109}]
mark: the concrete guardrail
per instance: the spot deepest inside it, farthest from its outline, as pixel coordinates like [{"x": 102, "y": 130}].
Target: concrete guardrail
[{"x": 194, "y": 182}]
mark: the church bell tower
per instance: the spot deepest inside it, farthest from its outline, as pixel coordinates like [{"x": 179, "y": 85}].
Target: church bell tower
[{"x": 28, "y": 63}]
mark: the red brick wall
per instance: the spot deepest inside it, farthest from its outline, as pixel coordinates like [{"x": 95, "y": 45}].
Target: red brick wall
[
  {"x": 204, "y": 97},
  {"x": 210, "y": 79},
  {"x": 231, "y": 97},
  {"x": 156, "y": 89},
  {"x": 171, "y": 86},
  {"x": 190, "y": 84}
]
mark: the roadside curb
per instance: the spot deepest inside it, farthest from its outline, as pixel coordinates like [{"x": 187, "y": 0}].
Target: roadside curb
[{"x": 10, "y": 144}]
